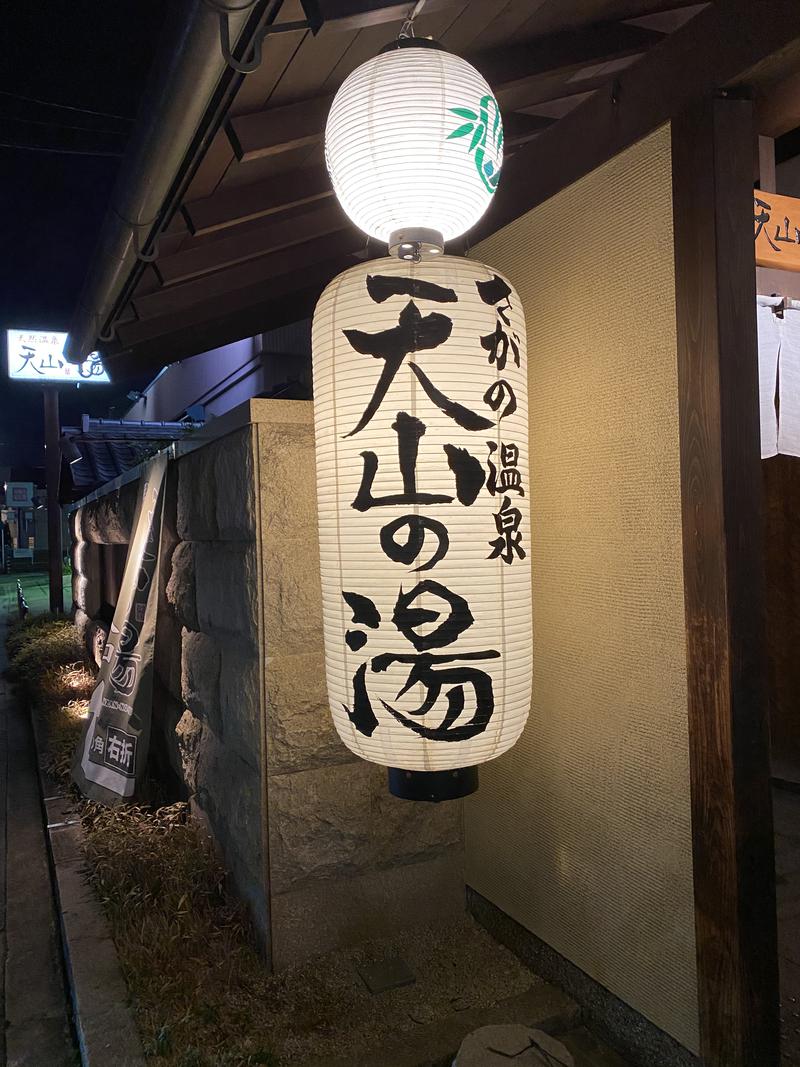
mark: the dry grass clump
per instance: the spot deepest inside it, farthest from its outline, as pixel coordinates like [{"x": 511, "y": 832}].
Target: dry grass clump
[
  {"x": 197, "y": 983},
  {"x": 65, "y": 723},
  {"x": 195, "y": 979},
  {"x": 39, "y": 643},
  {"x": 202, "y": 995},
  {"x": 47, "y": 659},
  {"x": 63, "y": 694}
]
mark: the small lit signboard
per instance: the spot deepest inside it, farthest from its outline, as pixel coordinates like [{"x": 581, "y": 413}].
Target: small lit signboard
[
  {"x": 19, "y": 494},
  {"x": 777, "y": 230},
  {"x": 36, "y": 356}
]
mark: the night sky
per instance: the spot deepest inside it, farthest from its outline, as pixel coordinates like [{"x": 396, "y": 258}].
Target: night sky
[{"x": 84, "y": 54}]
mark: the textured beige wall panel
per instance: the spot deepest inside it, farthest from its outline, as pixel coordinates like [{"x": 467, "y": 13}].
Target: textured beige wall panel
[{"x": 582, "y": 832}]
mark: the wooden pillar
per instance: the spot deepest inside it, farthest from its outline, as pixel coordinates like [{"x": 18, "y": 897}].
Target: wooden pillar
[
  {"x": 52, "y": 463},
  {"x": 766, "y": 165},
  {"x": 734, "y": 875}
]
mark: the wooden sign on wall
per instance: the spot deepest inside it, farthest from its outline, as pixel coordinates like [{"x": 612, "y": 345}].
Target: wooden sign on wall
[{"x": 777, "y": 230}]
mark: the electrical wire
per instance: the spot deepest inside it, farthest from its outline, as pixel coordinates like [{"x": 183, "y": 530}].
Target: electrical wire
[
  {"x": 65, "y": 107},
  {"x": 59, "y": 151},
  {"x": 62, "y": 125}
]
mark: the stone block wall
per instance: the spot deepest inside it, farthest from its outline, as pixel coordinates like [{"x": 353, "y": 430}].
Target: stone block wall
[
  {"x": 322, "y": 854},
  {"x": 208, "y": 666},
  {"x": 98, "y": 529},
  {"x": 347, "y": 861}
]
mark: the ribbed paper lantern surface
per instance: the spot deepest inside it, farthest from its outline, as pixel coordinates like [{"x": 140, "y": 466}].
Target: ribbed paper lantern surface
[
  {"x": 422, "y": 476},
  {"x": 414, "y": 139}
]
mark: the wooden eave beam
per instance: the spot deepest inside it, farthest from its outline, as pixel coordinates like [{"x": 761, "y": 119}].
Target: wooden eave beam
[
  {"x": 185, "y": 338},
  {"x": 280, "y": 129},
  {"x": 565, "y": 52},
  {"x": 361, "y": 14},
  {"x": 319, "y": 221},
  {"x": 717, "y": 48},
  {"x": 246, "y": 202},
  {"x": 224, "y": 284},
  {"x": 247, "y": 310},
  {"x": 519, "y": 128},
  {"x": 778, "y": 107}
]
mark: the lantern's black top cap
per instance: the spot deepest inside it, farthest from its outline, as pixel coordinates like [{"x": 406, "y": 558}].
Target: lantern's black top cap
[{"x": 411, "y": 42}]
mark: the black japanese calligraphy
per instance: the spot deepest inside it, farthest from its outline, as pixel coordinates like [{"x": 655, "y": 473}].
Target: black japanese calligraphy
[
  {"x": 509, "y": 543},
  {"x": 364, "y": 611},
  {"x": 497, "y": 344},
  {"x": 414, "y": 332},
  {"x": 408, "y": 616},
  {"x": 507, "y": 478},
  {"x": 408, "y": 553},
  {"x": 500, "y": 394},
  {"x": 409, "y": 430},
  {"x": 423, "y": 671}
]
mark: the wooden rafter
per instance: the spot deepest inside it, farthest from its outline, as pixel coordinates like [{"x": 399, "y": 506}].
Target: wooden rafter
[
  {"x": 361, "y": 14},
  {"x": 721, "y": 44},
  {"x": 280, "y": 129},
  {"x": 242, "y": 312},
  {"x": 230, "y": 207},
  {"x": 244, "y": 203},
  {"x": 318, "y": 221},
  {"x": 719, "y": 47},
  {"x": 196, "y": 292}
]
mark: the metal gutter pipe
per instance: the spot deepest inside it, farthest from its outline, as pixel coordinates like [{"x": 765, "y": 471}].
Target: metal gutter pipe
[{"x": 186, "y": 99}]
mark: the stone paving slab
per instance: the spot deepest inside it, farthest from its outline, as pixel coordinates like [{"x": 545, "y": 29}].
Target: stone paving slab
[
  {"x": 37, "y": 1028},
  {"x": 107, "y": 1033}
]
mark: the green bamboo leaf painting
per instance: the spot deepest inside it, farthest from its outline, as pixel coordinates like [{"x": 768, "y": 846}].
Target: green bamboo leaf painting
[
  {"x": 478, "y": 136},
  {"x": 462, "y": 131},
  {"x": 481, "y": 123},
  {"x": 464, "y": 113}
]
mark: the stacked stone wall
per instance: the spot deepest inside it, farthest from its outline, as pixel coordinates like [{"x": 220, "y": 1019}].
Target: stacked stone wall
[
  {"x": 347, "y": 861},
  {"x": 321, "y": 853},
  {"x": 208, "y": 656}
]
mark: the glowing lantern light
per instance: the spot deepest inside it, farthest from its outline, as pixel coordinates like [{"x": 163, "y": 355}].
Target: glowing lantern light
[
  {"x": 422, "y": 477},
  {"x": 414, "y": 142},
  {"x": 421, "y": 415}
]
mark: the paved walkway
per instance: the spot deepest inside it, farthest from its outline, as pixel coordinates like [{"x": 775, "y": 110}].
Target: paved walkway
[{"x": 37, "y": 1030}]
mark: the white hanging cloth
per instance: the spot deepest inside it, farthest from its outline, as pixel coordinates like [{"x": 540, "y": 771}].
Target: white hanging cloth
[
  {"x": 770, "y": 331},
  {"x": 789, "y": 385}
]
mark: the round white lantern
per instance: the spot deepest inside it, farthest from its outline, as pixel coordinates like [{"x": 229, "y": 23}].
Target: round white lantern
[
  {"x": 414, "y": 141},
  {"x": 421, "y": 416}
]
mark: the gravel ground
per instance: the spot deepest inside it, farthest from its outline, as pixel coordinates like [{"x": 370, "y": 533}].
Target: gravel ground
[{"x": 327, "y": 1010}]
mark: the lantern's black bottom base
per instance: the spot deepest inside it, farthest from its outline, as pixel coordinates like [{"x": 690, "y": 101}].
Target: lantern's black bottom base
[{"x": 433, "y": 785}]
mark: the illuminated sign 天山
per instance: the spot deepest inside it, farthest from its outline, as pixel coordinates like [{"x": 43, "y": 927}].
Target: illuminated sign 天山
[{"x": 37, "y": 356}]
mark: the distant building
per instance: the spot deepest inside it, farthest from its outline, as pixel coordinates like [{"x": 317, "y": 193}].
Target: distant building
[{"x": 276, "y": 364}]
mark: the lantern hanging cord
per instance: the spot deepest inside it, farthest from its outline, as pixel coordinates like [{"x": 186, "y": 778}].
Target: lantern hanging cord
[{"x": 407, "y": 29}]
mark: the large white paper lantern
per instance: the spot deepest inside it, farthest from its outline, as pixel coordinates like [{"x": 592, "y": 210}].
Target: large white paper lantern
[
  {"x": 421, "y": 422},
  {"x": 414, "y": 140}
]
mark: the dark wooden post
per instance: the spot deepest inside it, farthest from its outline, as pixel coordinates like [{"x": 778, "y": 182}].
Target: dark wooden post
[
  {"x": 734, "y": 876},
  {"x": 52, "y": 463}
]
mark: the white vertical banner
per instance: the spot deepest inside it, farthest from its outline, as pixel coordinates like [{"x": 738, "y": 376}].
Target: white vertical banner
[
  {"x": 421, "y": 416},
  {"x": 769, "y": 345},
  {"x": 111, "y": 756},
  {"x": 789, "y": 384}
]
